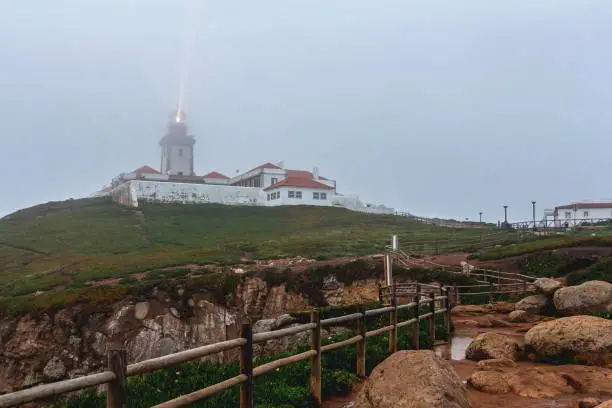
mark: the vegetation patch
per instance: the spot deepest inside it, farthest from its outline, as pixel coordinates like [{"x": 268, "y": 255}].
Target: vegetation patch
[{"x": 601, "y": 271}]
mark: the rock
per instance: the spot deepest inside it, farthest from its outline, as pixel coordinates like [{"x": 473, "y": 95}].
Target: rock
[
  {"x": 283, "y": 320},
  {"x": 495, "y": 322},
  {"x": 141, "y": 310},
  {"x": 31, "y": 379},
  {"x": 589, "y": 402},
  {"x": 413, "y": 379},
  {"x": 489, "y": 381},
  {"x": 471, "y": 310},
  {"x": 590, "y": 297},
  {"x": 547, "y": 286},
  {"x": 520, "y": 316},
  {"x": 174, "y": 312},
  {"x": 607, "y": 404},
  {"x": 487, "y": 346},
  {"x": 536, "y": 304},
  {"x": 577, "y": 338},
  {"x": 495, "y": 364},
  {"x": 538, "y": 383},
  {"x": 54, "y": 369},
  {"x": 503, "y": 307}
]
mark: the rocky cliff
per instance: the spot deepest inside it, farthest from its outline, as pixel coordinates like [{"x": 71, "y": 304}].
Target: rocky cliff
[{"x": 73, "y": 341}]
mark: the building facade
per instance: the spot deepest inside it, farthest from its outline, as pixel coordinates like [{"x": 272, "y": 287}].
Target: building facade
[
  {"x": 579, "y": 213},
  {"x": 268, "y": 184}
]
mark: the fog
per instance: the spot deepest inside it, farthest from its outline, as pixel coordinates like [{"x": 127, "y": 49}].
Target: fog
[{"x": 440, "y": 108}]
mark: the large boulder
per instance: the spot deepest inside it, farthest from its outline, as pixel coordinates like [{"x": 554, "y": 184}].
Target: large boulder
[
  {"x": 607, "y": 404},
  {"x": 589, "y": 297},
  {"x": 535, "y": 304},
  {"x": 487, "y": 346},
  {"x": 547, "y": 286},
  {"x": 413, "y": 379},
  {"x": 578, "y": 338}
]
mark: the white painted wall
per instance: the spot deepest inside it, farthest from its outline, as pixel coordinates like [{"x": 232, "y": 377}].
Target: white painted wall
[
  {"x": 180, "y": 159},
  {"x": 307, "y": 196},
  {"x": 132, "y": 192},
  {"x": 562, "y": 216}
]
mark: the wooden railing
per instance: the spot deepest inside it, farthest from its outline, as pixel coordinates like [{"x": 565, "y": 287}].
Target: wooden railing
[{"x": 115, "y": 377}]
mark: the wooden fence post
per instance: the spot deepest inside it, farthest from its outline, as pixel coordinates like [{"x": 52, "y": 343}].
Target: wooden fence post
[
  {"x": 116, "y": 391},
  {"x": 456, "y": 294},
  {"x": 416, "y": 326},
  {"x": 393, "y": 322},
  {"x": 447, "y": 314},
  {"x": 246, "y": 366},
  {"x": 361, "y": 345},
  {"x": 315, "y": 361},
  {"x": 491, "y": 292},
  {"x": 432, "y": 318}
]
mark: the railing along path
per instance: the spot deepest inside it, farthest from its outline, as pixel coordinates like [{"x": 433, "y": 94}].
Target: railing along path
[{"x": 117, "y": 372}]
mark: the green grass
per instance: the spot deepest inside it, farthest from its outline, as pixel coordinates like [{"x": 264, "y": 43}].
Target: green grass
[
  {"x": 72, "y": 242},
  {"x": 601, "y": 271},
  {"x": 542, "y": 245}
]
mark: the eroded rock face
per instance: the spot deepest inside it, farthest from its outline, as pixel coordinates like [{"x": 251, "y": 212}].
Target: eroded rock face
[
  {"x": 521, "y": 316},
  {"x": 589, "y": 297},
  {"x": 607, "y": 404},
  {"x": 547, "y": 286},
  {"x": 413, "y": 379},
  {"x": 577, "y": 338},
  {"x": 495, "y": 364},
  {"x": 536, "y": 304},
  {"x": 487, "y": 346}
]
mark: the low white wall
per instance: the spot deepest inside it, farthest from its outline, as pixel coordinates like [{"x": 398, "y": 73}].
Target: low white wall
[{"x": 132, "y": 192}]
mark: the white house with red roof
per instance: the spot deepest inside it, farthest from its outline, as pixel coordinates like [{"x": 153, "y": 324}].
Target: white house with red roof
[
  {"x": 578, "y": 213},
  {"x": 267, "y": 184}
]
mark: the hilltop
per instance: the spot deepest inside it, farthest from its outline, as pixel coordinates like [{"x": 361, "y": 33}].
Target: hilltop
[{"x": 70, "y": 242}]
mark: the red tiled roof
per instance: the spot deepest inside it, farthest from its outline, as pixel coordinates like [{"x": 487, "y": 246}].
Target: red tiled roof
[
  {"x": 299, "y": 182},
  {"x": 302, "y": 173},
  {"x": 146, "y": 170},
  {"x": 584, "y": 205},
  {"x": 215, "y": 175}
]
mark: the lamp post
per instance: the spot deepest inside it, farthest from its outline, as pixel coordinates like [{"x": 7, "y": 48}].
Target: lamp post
[
  {"x": 506, "y": 214},
  {"x": 533, "y": 203},
  {"x": 480, "y": 215}
]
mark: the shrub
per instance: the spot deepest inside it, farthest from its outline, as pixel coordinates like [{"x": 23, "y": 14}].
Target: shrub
[{"x": 601, "y": 270}]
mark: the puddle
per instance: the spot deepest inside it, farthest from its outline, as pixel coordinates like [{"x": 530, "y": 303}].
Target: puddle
[{"x": 455, "y": 350}]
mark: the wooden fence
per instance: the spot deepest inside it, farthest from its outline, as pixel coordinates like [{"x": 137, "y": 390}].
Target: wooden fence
[{"x": 115, "y": 377}]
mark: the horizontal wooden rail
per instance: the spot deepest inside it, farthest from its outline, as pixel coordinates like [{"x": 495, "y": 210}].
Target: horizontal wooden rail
[
  {"x": 260, "y": 337},
  {"x": 341, "y": 319},
  {"x": 49, "y": 390},
  {"x": 153, "y": 364},
  {"x": 440, "y": 298},
  {"x": 440, "y": 311},
  {"x": 406, "y": 323},
  {"x": 425, "y": 316},
  {"x": 374, "y": 312},
  {"x": 193, "y": 397},
  {"x": 407, "y": 306},
  {"x": 273, "y": 365},
  {"x": 340, "y": 344},
  {"x": 382, "y": 330}
]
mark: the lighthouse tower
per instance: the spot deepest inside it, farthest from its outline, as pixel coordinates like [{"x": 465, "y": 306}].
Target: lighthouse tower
[{"x": 177, "y": 147}]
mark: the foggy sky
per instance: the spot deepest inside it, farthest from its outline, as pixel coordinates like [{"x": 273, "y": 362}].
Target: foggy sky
[{"x": 440, "y": 108}]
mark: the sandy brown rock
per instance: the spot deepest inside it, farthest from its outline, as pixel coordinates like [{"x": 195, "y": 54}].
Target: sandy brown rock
[
  {"x": 536, "y": 304},
  {"x": 489, "y": 381},
  {"x": 589, "y": 402},
  {"x": 547, "y": 286},
  {"x": 413, "y": 379},
  {"x": 607, "y": 404},
  {"x": 521, "y": 316},
  {"x": 578, "y": 338},
  {"x": 487, "y": 346},
  {"x": 495, "y": 364},
  {"x": 589, "y": 297}
]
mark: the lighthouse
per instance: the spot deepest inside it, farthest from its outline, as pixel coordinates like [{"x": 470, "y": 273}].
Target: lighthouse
[{"x": 177, "y": 147}]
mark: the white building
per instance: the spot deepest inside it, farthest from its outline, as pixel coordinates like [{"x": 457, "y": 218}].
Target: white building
[
  {"x": 267, "y": 184},
  {"x": 578, "y": 213}
]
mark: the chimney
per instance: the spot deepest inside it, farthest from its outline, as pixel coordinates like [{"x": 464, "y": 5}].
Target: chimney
[{"x": 315, "y": 173}]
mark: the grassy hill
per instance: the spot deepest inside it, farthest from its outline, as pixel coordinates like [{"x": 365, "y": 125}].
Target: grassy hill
[{"x": 74, "y": 241}]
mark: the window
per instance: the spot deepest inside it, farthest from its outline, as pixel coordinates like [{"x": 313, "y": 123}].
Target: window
[
  {"x": 180, "y": 152},
  {"x": 268, "y": 196},
  {"x": 568, "y": 214},
  {"x": 298, "y": 195},
  {"x": 274, "y": 180},
  {"x": 180, "y": 173},
  {"x": 257, "y": 182},
  {"x": 323, "y": 196},
  {"x": 586, "y": 214},
  {"x": 315, "y": 196},
  {"x": 291, "y": 194}
]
